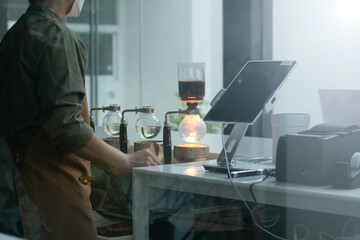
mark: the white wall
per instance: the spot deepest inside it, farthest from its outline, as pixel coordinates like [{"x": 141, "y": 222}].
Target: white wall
[
  {"x": 130, "y": 53},
  {"x": 166, "y": 40},
  {"x": 207, "y": 42},
  {"x": 324, "y": 37}
]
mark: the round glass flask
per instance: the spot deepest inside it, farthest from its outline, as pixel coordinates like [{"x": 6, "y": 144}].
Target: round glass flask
[
  {"x": 192, "y": 128},
  {"x": 147, "y": 125},
  {"x": 112, "y": 119}
]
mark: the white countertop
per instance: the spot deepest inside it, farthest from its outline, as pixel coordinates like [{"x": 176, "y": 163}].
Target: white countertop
[{"x": 195, "y": 179}]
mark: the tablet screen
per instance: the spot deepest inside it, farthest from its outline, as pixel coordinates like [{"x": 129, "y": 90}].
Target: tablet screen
[{"x": 251, "y": 89}]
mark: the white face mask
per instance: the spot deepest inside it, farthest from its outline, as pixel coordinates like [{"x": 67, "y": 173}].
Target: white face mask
[{"x": 76, "y": 8}]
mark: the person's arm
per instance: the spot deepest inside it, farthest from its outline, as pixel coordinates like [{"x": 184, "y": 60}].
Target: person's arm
[
  {"x": 111, "y": 159},
  {"x": 60, "y": 92}
]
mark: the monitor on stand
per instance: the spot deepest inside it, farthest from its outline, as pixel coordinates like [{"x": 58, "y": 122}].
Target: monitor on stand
[{"x": 252, "y": 92}]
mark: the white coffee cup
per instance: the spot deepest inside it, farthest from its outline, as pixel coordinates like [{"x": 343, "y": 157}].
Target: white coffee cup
[{"x": 286, "y": 123}]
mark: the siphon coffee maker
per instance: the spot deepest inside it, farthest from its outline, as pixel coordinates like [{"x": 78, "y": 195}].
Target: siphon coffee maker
[
  {"x": 191, "y": 80},
  {"x": 147, "y": 126},
  {"x": 111, "y": 123}
]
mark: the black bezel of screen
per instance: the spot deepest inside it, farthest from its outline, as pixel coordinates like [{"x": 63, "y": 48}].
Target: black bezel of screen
[{"x": 246, "y": 96}]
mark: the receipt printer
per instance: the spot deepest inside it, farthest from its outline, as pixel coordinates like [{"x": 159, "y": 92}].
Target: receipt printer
[{"x": 311, "y": 157}]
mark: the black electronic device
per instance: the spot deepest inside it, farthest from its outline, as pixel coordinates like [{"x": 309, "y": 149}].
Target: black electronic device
[
  {"x": 345, "y": 176},
  {"x": 314, "y": 156},
  {"x": 252, "y": 92},
  {"x": 252, "y": 172}
]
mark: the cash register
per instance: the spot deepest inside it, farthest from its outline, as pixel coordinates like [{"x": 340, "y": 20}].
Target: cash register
[{"x": 327, "y": 154}]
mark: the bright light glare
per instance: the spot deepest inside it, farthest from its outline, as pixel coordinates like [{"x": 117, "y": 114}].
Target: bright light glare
[
  {"x": 192, "y": 128},
  {"x": 349, "y": 10},
  {"x": 192, "y": 137},
  {"x": 192, "y": 171},
  {"x": 190, "y": 145}
]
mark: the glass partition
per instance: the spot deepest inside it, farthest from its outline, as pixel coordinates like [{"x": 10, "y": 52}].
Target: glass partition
[{"x": 134, "y": 47}]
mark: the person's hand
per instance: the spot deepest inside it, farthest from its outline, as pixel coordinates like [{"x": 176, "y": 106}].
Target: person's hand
[
  {"x": 140, "y": 158},
  {"x": 113, "y": 160},
  {"x": 143, "y": 157}
]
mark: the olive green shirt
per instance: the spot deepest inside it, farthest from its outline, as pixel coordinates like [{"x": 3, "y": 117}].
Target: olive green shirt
[{"x": 45, "y": 80}]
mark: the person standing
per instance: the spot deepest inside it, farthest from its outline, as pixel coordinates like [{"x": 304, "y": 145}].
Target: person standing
[{"x": 44, "y": 93}]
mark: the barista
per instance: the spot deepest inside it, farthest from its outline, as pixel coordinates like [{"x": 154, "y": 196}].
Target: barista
[{"x": 45, "y": 85}]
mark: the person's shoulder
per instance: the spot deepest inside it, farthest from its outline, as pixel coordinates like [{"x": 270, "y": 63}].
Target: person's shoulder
[
  {"x": 69, "y": 32},
  {"x": 31, "y": 29},
  {"x": 54, "y": 30},
  {"x": 70, "y": 35},
  {"x": 44, "y": 30},
  {"x": 37, "y": 27}
]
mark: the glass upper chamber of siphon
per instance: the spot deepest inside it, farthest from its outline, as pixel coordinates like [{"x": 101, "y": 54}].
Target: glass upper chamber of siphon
[
  {"x": 191, "y": 82},
  {"x": 147, "y": 125},
  {"x": 111, "y": 121}
]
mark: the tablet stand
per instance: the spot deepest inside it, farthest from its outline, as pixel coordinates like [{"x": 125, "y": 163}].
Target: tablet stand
[{"x": 232, "y": 144}]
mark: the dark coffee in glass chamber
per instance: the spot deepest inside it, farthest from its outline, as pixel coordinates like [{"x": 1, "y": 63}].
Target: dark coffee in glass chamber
[{"x": 191, "y": 91}]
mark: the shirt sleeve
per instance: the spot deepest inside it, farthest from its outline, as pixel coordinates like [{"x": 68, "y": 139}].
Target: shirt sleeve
[{"x": 60, "y": 91}]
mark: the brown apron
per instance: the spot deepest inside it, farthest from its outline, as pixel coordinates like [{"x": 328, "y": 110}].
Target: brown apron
[{"x": 53, "y": 182}]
